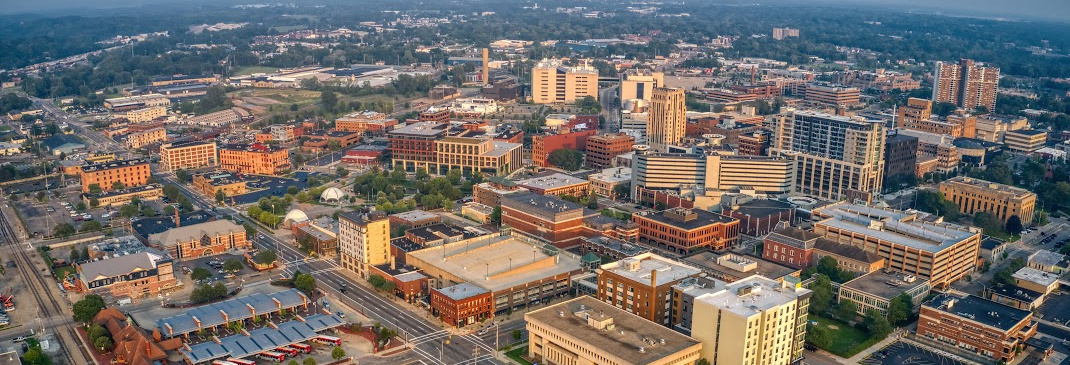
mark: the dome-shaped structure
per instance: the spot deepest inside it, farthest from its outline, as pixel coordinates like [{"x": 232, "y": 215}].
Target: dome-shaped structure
[
  {"x": 331, "y": 194},
  {"x": 294, "y": 215}
]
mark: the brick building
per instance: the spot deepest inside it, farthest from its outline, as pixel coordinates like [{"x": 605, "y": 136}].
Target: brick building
[
  {"x": 129, "y": 173},
  {"x": 200, "y": 240},
  {"x": 254, "y": 159},
  {"x": 603, "y": 149},
  {"x": 542, "y": 145},
  {"x": 642, "y": 285},
  {"x": 462, "y": 304},
  {"x": 556, "y": 185},
  {"x": 136, "y": 275},
  {"x": 685, "y": 230},
  {"x": 556, "y": 221},
  {"x": 758, "y": 217},
  {"x": 977, "y": 325}
]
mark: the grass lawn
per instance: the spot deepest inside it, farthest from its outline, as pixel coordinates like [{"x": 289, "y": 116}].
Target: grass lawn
[
  {"x": 518, "y": 353},
  {"x": 62, "y": 272},
  {"x": 847, "y": 341},
  {"x": 249, "y": 70}
]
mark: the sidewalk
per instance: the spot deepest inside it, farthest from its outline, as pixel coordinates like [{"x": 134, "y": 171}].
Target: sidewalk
[{"x": 894, "y": 336}]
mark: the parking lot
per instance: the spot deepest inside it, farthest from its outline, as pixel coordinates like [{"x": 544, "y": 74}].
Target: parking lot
[
  {"x": 901, "y": 353},
  {"x": 1056, "y": 308},
  {"x": 272, "y": 186},
  {"x": 186, "y": 267}
]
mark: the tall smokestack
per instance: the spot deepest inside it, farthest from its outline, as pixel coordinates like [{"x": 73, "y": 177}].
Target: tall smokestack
[
  {"x": 486, "y": 67},
  {"x": 177, "y": 220}
]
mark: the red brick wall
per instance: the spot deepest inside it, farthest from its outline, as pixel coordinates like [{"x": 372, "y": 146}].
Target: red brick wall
[{"x": 782, "y": 254}]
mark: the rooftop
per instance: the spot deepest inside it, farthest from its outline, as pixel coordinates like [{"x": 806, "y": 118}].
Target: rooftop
[
  {"x": 416, "y": 216},
  {"x": 886, "y": 284},
  {"x": 751, "y": 295},
  {"x": 846, "y": 250},
  {"x": 1028, "y": 132},
  {"x": 195, "y": 232},
  {"x": 991, "y": 243},
  {"x": 506, "y": 260},
  {"x": 136, "y": 189},
  {"x": 624, "y": 247},
  {"x": 763, "y": 207},
  {"x": 589, "y": 320},
  {"x": 1036, "y": 276},
  {"x": 236, "y": 308},
  {"x": 1016, "y": 293},
  {"x": 988, "y": 185},
  {"x": 423, "y": 129},
  {"x": 114, "y": 164},
  {"x": 437, "y": 231},
  {"x": 895, "y": 226},
  {"x": 461, "y": 291},
  {"x": 687, "y": 219},
  {"x": 255, "y": 147},
  {"x": 980, "y": 310},
  {"x": 1048, "y": 258},
  {"x": 262, "y": 339},
  {"x": 738, "y": 265},
  {"x": 638, "y": 268},
  {"x": 554, "y": 181},
  {"x": 546, "y": 205},
  {"x": 122, "y": 265},
  {"x": 794, "y": 237},
  {"x": 148, "y": 226}
]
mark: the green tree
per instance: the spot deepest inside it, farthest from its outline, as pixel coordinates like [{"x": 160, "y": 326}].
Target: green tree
[
  {"x": 819, "y": 336},
  {"x": 200, "y": 274},
  {"x": 75, "y": 255},
  {"x": 702, "y": 361},
  {"x": 293, "y": 362},
  {"x": 102, "y": 344},
  {"x": 250, "y": 230},
  {"x": 147, "y": 211},
  {"x": 265, "y": 257},
  {"x": 95, "y": 331},
  {"x": 592, "y": 202},
  {"x": 87, "y": 308},
  {"x": 308, "y": 361},
  {"x": 454, "y": 176},
  {"x": 989, "y": 223},
  {"x": 517, "y": 334},
  {"x": 338, "y": 353},
  {"x": 376, "y": 281},
  {"x": 566, "y": 158},
  {"x": 182, "y": 175},
  {"x": 80, "y": 207},
  {"x": 232, "y": 265},
  {"x": 496, "y": 215},
  {"x": 329, "y": 100},
  {"x": 421, "y": 174},
  {"x": 94, "y": 202},
  {"x": 128, "y": 211},
  {"x": 118, "y": 186},
  {"x": 877, "y": 325},
  {"x": 847, "y": 310},
  {"x": 91, "y": 226},
  {"x": 305, "y": 283},
  {"x": 63, "y": 230},
  {"x": 900, "y": 308},
  {"x": 95, "y": 189},
  {"x": 821, "y": 300},
  {"x": 34, "y": 356},
  {"x": 1014, "y": 224},
  {"x": 220, "y": 196}
]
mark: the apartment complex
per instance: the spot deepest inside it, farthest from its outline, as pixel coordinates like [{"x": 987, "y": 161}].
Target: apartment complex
[
  {"x": 586, "y": 331},
  {"x": 438, "y": 148},
  {"x": 144, "y": 138},
  {"x": 755, "y": 320},
  {"x": 143, "y": 115},
  {"x": 965, "y": 84},
  {"x": 942, "y": 252},
  {"x": 136, "y": 275},
  {"x": 254, "y": 158},
  {"x": 832, "y": 94},
  {"x": 974, "y": 195},
  {"x": 1025, "y": 140},
  {"x": 667, "y": 121},
  {"x": 900, "y": 156},
  {"x": 200, "y": 240},
  {"x": 642, "y": 285},
  {"x": 637, "y": 84},
  {"x": 603, "y": 149},
  {"x": 363, "y": 241},
  {"x": 781, "y": 33},
  {"x": 682, "y": 230},
  {"x": 835, "y": 157},
  {"x": 976, "y": 324},
  {"x": 188, "y": 155},
  {"x": 553, "y": 82},
  {"x": 104, "y": 175}
]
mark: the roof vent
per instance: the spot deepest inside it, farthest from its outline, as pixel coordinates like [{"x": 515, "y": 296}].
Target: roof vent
[{"x": 642, "y": 350}]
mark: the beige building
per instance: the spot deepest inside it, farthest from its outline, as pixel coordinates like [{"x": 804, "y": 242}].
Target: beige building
[
  {"x": 940, "y": 146},
  {"x": 877, "y": 290},
  {"x": 144, "y": 138},
  {"x": 965, "y": 84},
  {"x": 831, "y": 94},
  {"x": 636, "y": 84},
  {"x": 553, "y": 82},
  {"x": 143, "y": 115},
  {"x": 667, "y": 121},
  {"x": 584, "y": 331},
  {"x": 1025, "y": 140},
  {"x": 771, "y": 175},
  {"x": 781, "y": 33},
  {"x": 188, "y": 155},
  {"x": 974, "y": 195},
  {"x": 753, "y": 321},
  {"x": 942, "y": 252},
  {"x": 836, "y": 157},
  {"x": 993, "y": 128},
  {"x": 364, "y": 241},
  {"x": 1036, "y": 280}
]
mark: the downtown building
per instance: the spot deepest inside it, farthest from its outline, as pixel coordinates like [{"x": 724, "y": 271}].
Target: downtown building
[
  {"x": 440, "y": 147},
  {"x": 667, "y": 118},
  {"x": 188, "y": 155},
  {"x": 554, "y": 83},
  {"x": 105, "y": 175},
  {"x": 715, "y": 171},
  {"x": 363, "y": 241},
  {"x": 642, "y": 285},
  {"x": 965, "y": 84},
  {"x": 256, "y": 158},
  {"x": 1003, "y": 201},
  {"x": 639, "y": 84},
  {"x": 836, "y": 157}
]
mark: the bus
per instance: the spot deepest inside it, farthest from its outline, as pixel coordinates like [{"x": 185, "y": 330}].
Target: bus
[
  {"x": 289, "y": 351},
  {"x": 271, "y": 355},
  {"x": 302, "y": 347},
  {"x": 328, "y": 340},
  {"x": 222, "y": 362},
  {"x": 241, "y": 362}
]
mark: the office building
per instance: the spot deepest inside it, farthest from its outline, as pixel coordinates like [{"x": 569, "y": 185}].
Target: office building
[
  {"x": 105, "y": 176},
  {"x": 637, "y": 84},
  {"x": 607, "y": 182},
  {"x": 554, "y": 83},
  {"x": 667, "y": 121},
  {"x": 939, "y": 146},
  {"x": 137, "y": 275},
  {"x": 1048, "y": 261},
  {"x": 781, "y": 33},
  {"x": 730, "y": 267},
  {"x": 769, "y": 175},
  {"x": 642, "y": 285},
  {"x": 462, "y": 304},
  {"x": 209, "y": 183},
  {"x": 201, "y": 239},
  {"x": 516, "y": 271},
  {"x": 555, "y": 221},
  {"x": 438, "y": 115},
  {"x": 603, "y": 149},
  {"x": 438, "y": 148},
  {"x": 556, "y": 185},
  {"x": 542, "y": 145},
  {"x": 900, "y": 156},
  {"x": 143, "y": 115},
  {"x": 802, "y": 249},
  {"x": 363, "y": 241},
  {"x": 371, "y": 122},
  {"x": 144, "y": 138},
  {"x": 258, "y": 159},
  {"x": 752, "y": 321},
  {"x": 321, "y": 234},
  {"x": 682, "y": 230},
  {"x": 753, "y": 144},
  {"x": 217, "y": 119},
  {"x": 965, "y": 84},
  {"x": 136, "y": 102},
  {"x": 188, "y": 155},
  {"x": 1025, "y": 140},
  {"x": 831, "y": 94},
  {"x": 994, "y": 128},
  {"x": 977, "y": 325},
  {"x": 943, "y": 252},
  {"x": 586, "y": 331},
  {"x": 836, "y": 157},
  {"x": 1036, "y": 280},
  {"x": 876, "y": 291},
  {"x": 1003, "y": 201},
  {"x": 120, "y": 197}
]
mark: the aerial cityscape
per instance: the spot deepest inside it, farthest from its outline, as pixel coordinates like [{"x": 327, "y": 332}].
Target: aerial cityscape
[{"x": 521, "y": 182}]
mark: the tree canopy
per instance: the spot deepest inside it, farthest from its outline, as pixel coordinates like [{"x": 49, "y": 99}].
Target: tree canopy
[{"x": 566, "y": 158}]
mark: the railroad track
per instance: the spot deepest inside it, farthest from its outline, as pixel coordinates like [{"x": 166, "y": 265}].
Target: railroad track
[{"x": 48, "y": 306}]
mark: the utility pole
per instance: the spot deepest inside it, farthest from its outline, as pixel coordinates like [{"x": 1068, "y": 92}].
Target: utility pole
[{"x": 475, "y": 355}]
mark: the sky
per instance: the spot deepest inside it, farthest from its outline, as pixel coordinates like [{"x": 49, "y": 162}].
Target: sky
[{"x": 1057, "y": 10}]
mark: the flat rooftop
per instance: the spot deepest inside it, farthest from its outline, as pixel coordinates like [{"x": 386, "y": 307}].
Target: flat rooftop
[
  {"x": 461, "y": 291},
  {"x": 751, "y": 295},
  {"x": 629, "y": 333},
  {"x": 613, "y": 244},
  {"x": 509, "y": 261},
  {"x": 988, "y": 185},
  {"x": 1028, "y": 132},
  {"x": 1036, "y": 276},
  {"x": 1016, "y": 293},
  {"x": 886, "y": 285},
  {"x": 638, "y": 268},
  {"x": 899, "y": 227},
  {"x": 131, "y": 190},
  {"x": 978, "y": 309},
  {"x": 115, "y": 164},
  {"x": 554, "y": 181},
  {"x": 763, "y": 207},
  {"x": 1048, "y": 258},
  {"x": 701, "y": 218},
  {"x": 416, "y": 216},
  {"x": 707, "y": 261},
  {"x": 187, "y": 233},
  {"x": 423, "y": 129}
]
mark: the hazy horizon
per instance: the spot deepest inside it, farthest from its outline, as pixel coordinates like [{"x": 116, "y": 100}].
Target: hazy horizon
[{"x": 1050, "y": 10}]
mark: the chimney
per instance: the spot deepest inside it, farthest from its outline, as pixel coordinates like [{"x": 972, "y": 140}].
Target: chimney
[
  {"x": 654, "y": 279},
  {"x": 486, "y": 67},
  {"x": 841, "y": 110},
  {"x": 178, "y": 222}
]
